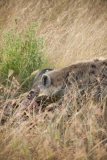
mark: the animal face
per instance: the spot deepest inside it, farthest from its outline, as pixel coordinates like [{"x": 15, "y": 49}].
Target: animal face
[
  {"x": 52, "y": 84},
  {"x": 35, "y": 88}
]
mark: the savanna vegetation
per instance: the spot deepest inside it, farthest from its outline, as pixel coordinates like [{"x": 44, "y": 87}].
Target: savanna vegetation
[{"x": 50, "y": 33}]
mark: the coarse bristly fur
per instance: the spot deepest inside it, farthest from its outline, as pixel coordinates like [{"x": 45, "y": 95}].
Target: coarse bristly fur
[{"x": 90, "y": 75}]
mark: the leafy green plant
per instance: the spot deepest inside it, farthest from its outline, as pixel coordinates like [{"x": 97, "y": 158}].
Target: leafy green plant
[{"x": 21, "y": 52}]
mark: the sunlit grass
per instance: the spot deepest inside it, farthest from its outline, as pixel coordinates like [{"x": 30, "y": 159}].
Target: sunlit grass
[{"x": 67, "y": 31}]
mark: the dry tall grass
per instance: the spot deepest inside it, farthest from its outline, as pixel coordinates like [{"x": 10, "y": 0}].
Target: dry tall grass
[{"x": 73, "y": 30}]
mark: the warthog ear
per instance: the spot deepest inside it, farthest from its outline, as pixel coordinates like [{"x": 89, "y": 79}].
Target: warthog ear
[{"x": 46, "y": 81}]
